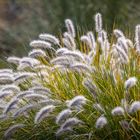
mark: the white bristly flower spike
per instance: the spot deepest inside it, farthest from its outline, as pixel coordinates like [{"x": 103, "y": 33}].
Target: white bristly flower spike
[
  {"x": 98, "y": 22},
  {"x": 101, "y": 122},
  {"x": 137, "y": 38},
  {"x": 92, "y": 38},
  {"x": 117, "y": 111},
  {"x": 50, "y": 38},
  {"x": 118, "y": 33},
  {"x": 70, "y": 122},
  {"x": 135, "y": 106},
  {"x": 63, "y": 115},
  {"x": 14, "y": 60},
  {"x": 71, "y": 40},
  {"x": 36, "y": 53},
  {"x": 86, "y": 40},
  {"x": 70, "y": 27},
  {"x": 130, "y": 82},
  {"x": 44, "y": 112},
  {"x": 40, "y": 44},
  {"x": 77, "y": 101},
  {"x": 11, "y": 130}
]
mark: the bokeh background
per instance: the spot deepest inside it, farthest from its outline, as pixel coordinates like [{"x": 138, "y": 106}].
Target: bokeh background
[{"x": 22, "y": 20}]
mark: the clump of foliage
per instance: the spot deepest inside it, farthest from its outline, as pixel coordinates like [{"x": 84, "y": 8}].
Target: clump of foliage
[{"x": 73, "y": 87}]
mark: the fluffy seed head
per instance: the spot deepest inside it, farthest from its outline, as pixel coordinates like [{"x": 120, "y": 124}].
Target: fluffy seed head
[
  {"x": 86, "y": 40},
  {"x": 10, "y": 105},
  {"x": 81, "y": 67},
  {"x": 70, "y": 27},
  {"x": 77, "y": 101},
  {"x": 40, "y": 44},
  {"x": 101, "y": 122},
  {"x": 44, "y": 112},
  {"x": 63, "y": 115},
  {"x": 36, "y": 53},
  {"x": 10, "y": 87},
  {"x": 70, "y": 40},
  {"x": 118, "y": 33},
  {"x": 130, "y": 82},
  {"x": 70, "y": 122},
  {"x": 50, "y": 38},
  {"x": 92, "y": 38},
  {"x": 98, "y": 22},
  {"x": 14, "y": 60},
  {"x": 137, "y": 38},
  {"x": 61, "y": 131},
  {"x": 90, "y": 87},
  {"x": 135, "y": 106},
  {"x": 11, "y": 130},
  {"x": 22, "y": 110},
  {"x": 60, "y": 51},
  {"x": 117, "y": 111}
]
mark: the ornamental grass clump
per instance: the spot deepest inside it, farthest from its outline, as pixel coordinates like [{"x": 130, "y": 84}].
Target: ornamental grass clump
[{"x": 74, "y": 87}]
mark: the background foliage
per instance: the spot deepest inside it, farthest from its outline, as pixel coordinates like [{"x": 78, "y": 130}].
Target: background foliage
[{"x": 21, "y": 21}]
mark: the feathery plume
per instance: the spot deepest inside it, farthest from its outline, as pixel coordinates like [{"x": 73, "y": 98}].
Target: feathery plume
[
  {"x": 30, "y": 61},
  {"x": 24, "y": 93},
  {"x": 14, "y": 60},
  {"x": 43, "y": 112},
  {"x": 71, "y": 122},
  {"x": 101, "y": 122},
  {"x": 10, "y": 87},
  {"x": 62, "y": 60},
  {"x": 10, "y": 105},
  {"x": 23, "y": 109},
  {"x": 6, "y": 78},
  {"x": 67, "y": 43},
  {"x": 122, "y": 42},
  {"x": 117, "y": 111},
  {"x": 98, "y": 22},
  {"x": 135, "y": 106},
  {"x": 81, "y": 67},
  {"x": 137, "y": 38},
  {"x": 23, "y": 76},
  {"x": 36, "y": 96},
  {"x": 118, "y": 33},
  {"x": 71, "y": 40},
  {"x": 60, "y": 51},
  {"x": 40, "y": 44},
  {"x": 70, "y": 27},
  {"x": 41, "y": 90},
  {"x": 103, "y": 35},
  {"x": 90, "y": 87},
  {"x": 36, "y": 53},
  {"x": 130, "y": 82},
  {"x": 75, "y": 54},
  {"x": 61, "y": 131},
  {"x": 6, "y": 71},
  {"x": 77, "y": 101},
  {"x": 122, "y": 54},
  {"x": 92, "y": 38},
  {"x": 86, "y": 40},
  {"x": 63, "y": 115},
  {"x": 50, "y": 38},
  {"x": 11, "y": 130}
]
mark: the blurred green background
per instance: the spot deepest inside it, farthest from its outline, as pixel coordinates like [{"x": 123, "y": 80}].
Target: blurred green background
[{"x": 22, "y": 20}]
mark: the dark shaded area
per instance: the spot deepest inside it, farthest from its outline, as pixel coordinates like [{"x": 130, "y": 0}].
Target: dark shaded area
[{"x": 22, "y": 20}]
